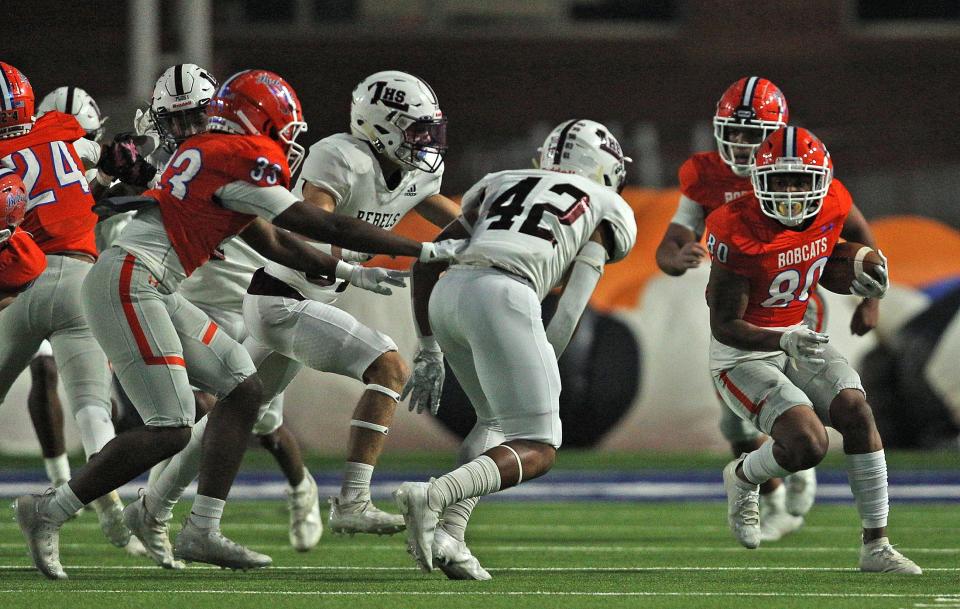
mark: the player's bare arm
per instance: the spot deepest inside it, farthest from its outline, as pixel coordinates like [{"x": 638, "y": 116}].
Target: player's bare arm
[
  {"x": 679, "y": 250},
  {"x": 282, "y": 247},
  {"x": 867, "y": 314},
  {"x": 438, "y": 210},
  {"x": 6, "y": 299},
  {"x": 319, "y": 197},
  {"x": 727, "y": 297}
]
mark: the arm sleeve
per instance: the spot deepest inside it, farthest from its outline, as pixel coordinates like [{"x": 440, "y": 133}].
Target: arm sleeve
[
  {"x": 326, "y": 168},
  {"x": 689, "y": 214},
  {"x": 267, "y": 202},
  {"x": 587, "y": 270}
]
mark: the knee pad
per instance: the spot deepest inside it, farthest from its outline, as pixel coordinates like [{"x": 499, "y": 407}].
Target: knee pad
[{"x": 269, "y": 422}]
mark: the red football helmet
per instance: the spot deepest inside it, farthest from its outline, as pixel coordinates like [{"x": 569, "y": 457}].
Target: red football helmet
[
  {"x": 16, "y": 102},
  {"x": 258, "y": 102},
  {"x": 13, "y": 203},
  {"x": 749, "y": 110},
  {"x": 799, "y": 153}
]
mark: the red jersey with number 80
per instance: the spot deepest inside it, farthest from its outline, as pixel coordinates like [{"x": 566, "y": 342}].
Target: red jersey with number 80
[
  {"x": 194, "y": 220},
  {"x": 782, "y": 265},
  {"x": 59, "y": 204}
]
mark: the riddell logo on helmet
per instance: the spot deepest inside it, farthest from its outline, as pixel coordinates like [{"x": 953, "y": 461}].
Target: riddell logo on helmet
[{"x": 267, "y": 80}]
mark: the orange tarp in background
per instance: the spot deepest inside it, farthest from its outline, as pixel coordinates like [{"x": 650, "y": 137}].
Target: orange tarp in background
[{"x": 920, "y": 251}]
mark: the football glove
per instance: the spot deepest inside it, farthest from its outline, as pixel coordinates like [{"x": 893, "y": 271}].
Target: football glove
[
  {"x": 442, "y": 251},
  {"x": 373, "y": 279},
  {"x": 804, "y": 344},
  {"x": 121, "y": 159},
  {"x": 426, "y": 382},
  {"x": 866, "y": 286}
]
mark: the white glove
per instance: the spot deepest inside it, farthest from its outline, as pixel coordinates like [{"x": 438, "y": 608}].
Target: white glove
[
  {"x": 865, "y": 285},
  {"x": 440, "y": 251},
  {"x": 372, "y": 279},
  {"x": 804, "y": 344},
  {"x": 350, "y": 255},
  {"x": 426, "y": 382},
  {"x": 144, "y": 127}
]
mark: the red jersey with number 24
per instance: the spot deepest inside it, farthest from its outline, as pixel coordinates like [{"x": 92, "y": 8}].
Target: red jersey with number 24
[
  {"x": 193, "y": 218},
  {"x": 783, "y": 265}
]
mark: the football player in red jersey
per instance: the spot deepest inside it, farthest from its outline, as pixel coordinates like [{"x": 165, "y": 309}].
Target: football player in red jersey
[
  {"x": 768, "y": 251},
  {"x": 21, "y": 261},
  {"x": 749, "y": 110},
  {"x": 50, "y": 155},
  {"x": 231, "y": 180}
]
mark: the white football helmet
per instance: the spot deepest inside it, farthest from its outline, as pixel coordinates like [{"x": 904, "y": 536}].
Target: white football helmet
[
  {"x": 399, "y": 115},
  {"x": 179, "y": 103},
  {"x": 585, "y": 148},
  {"x": 75, "y": 101}
]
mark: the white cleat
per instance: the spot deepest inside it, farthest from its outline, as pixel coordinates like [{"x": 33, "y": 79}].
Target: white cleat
[
  {"x": 135, "y": 548},
  {"x": 109, "y": 510},
  {"x": 743, "y": 509},
  {"x": 305, "y": 523},
  {"x": 363, "y": 517},
  {"x": 43, "y": 536},
  {"x": 801, "y": 491},
  {"x": 421, "y": 521},
  {"x": 455, "y": 559},
  {"x": 879, "y": 556},
  {"x": 154, "y": 534},
  {"x": 777, "y": 525},
  {"x": 210, "y": 546}
]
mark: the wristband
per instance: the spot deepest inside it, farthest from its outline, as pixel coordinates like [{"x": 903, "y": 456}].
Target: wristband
[
  {"x": 343, "y": 270},
  {"x": 429, "y": 343}
]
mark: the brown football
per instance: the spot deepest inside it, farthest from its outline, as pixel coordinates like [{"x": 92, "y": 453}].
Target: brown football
[{"x": 839, "y": 270}]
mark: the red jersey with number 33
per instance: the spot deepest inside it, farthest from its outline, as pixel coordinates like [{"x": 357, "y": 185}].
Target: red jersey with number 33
[
  {"x": 59, "y": 204},
  {"x": 193, "y": 218},
  {"x": 707, "y": 180},
  {"x": 783, "y": 265},
  {"x": 21, "y": 262}
]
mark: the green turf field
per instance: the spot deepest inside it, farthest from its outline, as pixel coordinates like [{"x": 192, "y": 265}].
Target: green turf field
[{"x": 569, "y": 555}]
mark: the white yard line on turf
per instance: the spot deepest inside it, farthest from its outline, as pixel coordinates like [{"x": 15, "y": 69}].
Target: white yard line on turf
[
  {"x": 491, "y": 593},
  {"x": 556, "y": 548},
  {"x": 495, "y": 569}
]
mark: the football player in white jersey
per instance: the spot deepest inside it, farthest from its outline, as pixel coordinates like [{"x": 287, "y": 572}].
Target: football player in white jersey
[
  {"x": 391, "y": 163},
  {"x": 527, "y": 228}
]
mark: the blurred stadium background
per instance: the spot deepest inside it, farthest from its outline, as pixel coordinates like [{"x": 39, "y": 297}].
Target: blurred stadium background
[{"x": 876, "y": 81}]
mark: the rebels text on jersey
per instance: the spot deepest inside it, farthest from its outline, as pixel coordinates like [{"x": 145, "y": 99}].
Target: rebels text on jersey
[
  {"x": 782, "y": 265},
  {"x": 709, "y": 182},
  {"x": 21, "y": 262},
  {"x": 195, "y": 222},
  {"x": 533, "y": 222},
  {"x": 59, "y": 203}
]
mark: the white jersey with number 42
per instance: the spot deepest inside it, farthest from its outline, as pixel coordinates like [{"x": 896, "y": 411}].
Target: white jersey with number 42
[{"x": 532, "y": 223}]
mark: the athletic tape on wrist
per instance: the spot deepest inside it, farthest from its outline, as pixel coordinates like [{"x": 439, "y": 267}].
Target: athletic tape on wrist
[
  {"x": 519, "y": 462},
  {"x": 384, "y": 390},
  {"x": 369, "y": 425}
]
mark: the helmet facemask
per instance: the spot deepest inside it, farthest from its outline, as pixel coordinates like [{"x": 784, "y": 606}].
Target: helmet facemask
[
  {"x": 288, "y": 135},
  {"x": 175, "y": 127},
  {"x": 739, "y": 138},
  {"x": 791, "y": 208}
]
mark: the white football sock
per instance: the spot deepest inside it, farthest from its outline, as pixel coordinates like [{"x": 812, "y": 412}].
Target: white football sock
[
  {"x": 474, "y": 479},
  {"x": 206, "y": 512},
  {"x": 96, "y": 428},
  {"x": 760, "y": 466},
  {"x": 775, "y": 501},
  {"x": 356, "y": 483},
  {"x": 165, "y": 490},
  {"x": 456, "y": 517},
  {"x": 63, "y": 505},
  {"x": 58, "y": 469},
  {"x": 868, "y": 481},
  {"x": 304, "y": 484}
]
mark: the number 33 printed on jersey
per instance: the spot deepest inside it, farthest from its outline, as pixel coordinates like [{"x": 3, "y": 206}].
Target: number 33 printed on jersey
[{"x": 187, "y": 164}]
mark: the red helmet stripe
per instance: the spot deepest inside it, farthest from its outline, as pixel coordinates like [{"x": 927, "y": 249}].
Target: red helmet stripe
[{"x": 749, "y": 90}]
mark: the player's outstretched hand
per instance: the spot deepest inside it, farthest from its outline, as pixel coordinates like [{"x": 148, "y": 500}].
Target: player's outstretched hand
[
  {"x": 426, "y": 382},
  {"x": 804, "y": 344},
  {"x": 866, "y": 286},
  {"x": 376, "y": 279},
  {"x": 442, "y": 251},
  {"x": 691, "y": 255},
  {"x": 121, "y": 159}
]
